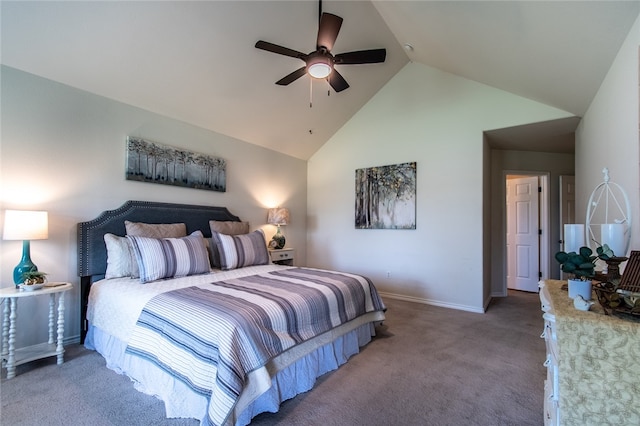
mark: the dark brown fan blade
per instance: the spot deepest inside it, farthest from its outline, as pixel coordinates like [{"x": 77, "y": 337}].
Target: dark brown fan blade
[
  {"x": 337, "y": 81},
  {"x": 284, "y": 81},
  {"x": 328, "y": 31},
  {"x": 373, "y": 56},
  {"x": 270, "y": 47}
]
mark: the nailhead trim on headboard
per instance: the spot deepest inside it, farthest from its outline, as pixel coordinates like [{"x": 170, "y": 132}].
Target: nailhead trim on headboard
[{"x": 92, "y": 259}]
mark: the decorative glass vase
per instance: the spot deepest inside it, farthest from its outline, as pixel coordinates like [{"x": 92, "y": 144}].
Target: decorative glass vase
[{"x": 278, "y": 240}]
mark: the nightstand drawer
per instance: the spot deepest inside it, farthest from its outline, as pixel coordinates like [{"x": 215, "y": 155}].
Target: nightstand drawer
[{"x": 283, "y": 256}]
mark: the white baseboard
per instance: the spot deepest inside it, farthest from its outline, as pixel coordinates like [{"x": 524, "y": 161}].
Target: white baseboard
[{"x": 431, "y": 302}]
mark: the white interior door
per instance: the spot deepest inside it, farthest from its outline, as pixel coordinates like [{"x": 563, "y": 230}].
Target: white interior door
[{"x": 523, "y": 239}]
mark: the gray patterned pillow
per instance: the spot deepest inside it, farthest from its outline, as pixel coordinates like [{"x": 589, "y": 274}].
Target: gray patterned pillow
[
  {"x": 229, "y": 227},
  {"x": 156, "y": 230}
]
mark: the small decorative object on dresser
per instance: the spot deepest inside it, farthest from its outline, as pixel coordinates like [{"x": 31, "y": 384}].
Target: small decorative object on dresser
[
  {"x": 581, "y": 265},
  {"x": 621, "y": 296},
  {"x": 278, "y": 216},
  {"x": 582, "y": 305}
]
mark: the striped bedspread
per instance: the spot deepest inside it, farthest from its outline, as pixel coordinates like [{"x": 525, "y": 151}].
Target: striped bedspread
[{"x": 211, "y": 338}]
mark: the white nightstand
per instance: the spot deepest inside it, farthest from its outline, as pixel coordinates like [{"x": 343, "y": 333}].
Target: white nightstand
[
  {"x": 283, "y": 256},
  {"x": 12, "y": 357}
]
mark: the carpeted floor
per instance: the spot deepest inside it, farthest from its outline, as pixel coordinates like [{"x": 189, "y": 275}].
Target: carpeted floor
[{"x": 427, "y": 366}]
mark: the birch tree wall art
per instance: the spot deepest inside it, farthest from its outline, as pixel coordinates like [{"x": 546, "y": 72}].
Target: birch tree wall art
[
  {"x": 386, "y": 197},
  {"x": 152, "y": 162}
]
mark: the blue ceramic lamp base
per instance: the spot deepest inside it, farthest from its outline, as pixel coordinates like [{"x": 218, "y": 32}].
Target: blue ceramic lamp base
[{"x": 25, "y": 265}]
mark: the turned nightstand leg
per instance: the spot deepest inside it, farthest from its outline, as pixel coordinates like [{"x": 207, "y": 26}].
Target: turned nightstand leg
[
  {"x": 11, "y": 359},
  {"x": 5, "y": 331},
  {"x": 60, "y": 347},
  {"x": 52, "y": 303}
]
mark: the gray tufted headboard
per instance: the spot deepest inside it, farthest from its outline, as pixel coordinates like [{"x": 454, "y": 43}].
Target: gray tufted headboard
[{"x": 92, "y": 251}]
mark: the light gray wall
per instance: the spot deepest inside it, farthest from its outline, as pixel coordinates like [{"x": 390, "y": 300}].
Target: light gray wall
[
  {"x": 608, "y": 134},
  {"x": 63, "y": 150},
  {"x": 436, "y": 119}
]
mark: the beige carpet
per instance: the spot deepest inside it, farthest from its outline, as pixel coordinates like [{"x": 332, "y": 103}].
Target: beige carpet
[{"x": 428, "y": 366}]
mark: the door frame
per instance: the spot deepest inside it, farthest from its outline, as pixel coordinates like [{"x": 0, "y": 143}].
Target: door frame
[{"x": 544, "y": 221}]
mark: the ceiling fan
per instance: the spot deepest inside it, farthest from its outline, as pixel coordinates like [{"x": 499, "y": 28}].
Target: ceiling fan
[{"x": 321, "y": 62}]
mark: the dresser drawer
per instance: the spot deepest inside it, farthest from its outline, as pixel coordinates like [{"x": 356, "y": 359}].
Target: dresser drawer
[{"x": 550, "y": 406}]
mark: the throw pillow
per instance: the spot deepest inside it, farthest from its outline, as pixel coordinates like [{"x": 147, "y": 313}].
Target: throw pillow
[
  {"x": 170, "y": 257},
  {"x": 121, "y": 260},
  {"x": 237, "y": 251},
  {"x": 156, "y": 230}
]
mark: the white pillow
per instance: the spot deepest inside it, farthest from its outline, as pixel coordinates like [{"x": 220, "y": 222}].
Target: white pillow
[
  {"x": 121, "y": 260},
  {"x": 170, "y": 257}
]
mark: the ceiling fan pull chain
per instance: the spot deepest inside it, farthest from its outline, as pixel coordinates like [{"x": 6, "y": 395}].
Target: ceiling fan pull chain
[{"x": 310, "y": 93}]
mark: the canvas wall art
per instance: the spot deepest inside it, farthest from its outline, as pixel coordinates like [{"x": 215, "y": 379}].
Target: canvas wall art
[
  {"x": 386, "y": 197},
  {"x": 156, "y": 163}
]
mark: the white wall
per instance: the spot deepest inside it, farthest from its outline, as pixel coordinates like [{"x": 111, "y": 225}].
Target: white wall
[
  {"x": 437, "y": 120},
  {"x": 608, "y": 134},
  {"x": 63, "y": 150}
]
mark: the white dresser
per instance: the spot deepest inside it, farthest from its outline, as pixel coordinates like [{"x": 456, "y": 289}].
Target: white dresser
[
  {"x": 593, "y": 363},
  {"x": 551, "y": 391}
]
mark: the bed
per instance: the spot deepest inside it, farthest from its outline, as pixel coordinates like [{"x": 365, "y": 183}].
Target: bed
[{"x": 185, "y": 301}]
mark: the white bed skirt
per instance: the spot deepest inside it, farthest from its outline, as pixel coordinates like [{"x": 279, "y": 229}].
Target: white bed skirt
[{"x": 289, "y": 374}]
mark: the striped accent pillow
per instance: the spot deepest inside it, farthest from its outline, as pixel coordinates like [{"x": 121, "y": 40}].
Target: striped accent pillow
[
  {"x": 226, "y": 228},
  {"x": 238, "y": 251},
  {"x": 170, "y": 257}
]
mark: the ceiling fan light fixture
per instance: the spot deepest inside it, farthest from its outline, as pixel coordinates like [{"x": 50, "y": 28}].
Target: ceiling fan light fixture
[{"x": 319, "y": 67}]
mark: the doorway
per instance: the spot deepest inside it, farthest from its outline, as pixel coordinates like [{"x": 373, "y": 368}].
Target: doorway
[{"x": 527, "y": 230}]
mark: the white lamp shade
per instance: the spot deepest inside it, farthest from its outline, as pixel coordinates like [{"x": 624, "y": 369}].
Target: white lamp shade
[
  {"x": 612, "y": 234},
  {"x": 320, "y": 70},
  {"x": 278, "y": 216},
  {"x": 25, "y": 225},
  {"x": 573, "y": 237}
]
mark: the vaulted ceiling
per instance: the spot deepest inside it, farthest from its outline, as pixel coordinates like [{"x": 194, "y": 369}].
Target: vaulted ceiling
[{"x": 196, "y": 61}]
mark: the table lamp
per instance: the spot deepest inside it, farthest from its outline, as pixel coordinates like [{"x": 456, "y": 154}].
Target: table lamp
[
  {"x": 278, "y": 216},
  {"x": 26, "y": 226}
]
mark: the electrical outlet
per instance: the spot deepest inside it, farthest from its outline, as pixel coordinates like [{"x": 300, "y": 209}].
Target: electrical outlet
[{"x": 388, "y": 274}]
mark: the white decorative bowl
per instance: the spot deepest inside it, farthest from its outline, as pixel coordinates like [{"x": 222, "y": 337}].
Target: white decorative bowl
[{"x": 31, "y": 287}]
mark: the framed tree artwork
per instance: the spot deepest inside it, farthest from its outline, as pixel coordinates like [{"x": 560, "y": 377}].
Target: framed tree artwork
[
  {"x": 152, "y": 162},
  {"x": 386, "y": 197}
]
